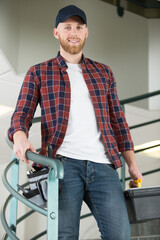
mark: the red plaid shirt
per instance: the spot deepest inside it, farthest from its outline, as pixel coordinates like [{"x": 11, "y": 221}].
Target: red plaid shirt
[{"x": 48, "y": 84}]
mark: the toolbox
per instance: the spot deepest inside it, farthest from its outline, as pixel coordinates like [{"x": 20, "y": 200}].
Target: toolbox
[{"x": 143, "y": 204}]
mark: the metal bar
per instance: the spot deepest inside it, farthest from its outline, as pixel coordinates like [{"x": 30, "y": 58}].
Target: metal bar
[
  {"x": 36, "y": 119},
  {"x": 52, "y": 219},
  {"x": 124, "y": 101},
  {"x": 150, "y": 172},
  {"x": 39, "y": 235},
  {"x": 14, "y": 178},
  {"x": 146, "y": 237},
  {"x": 17, "y": 195},
  {"x": 25, "y": 216},
  {"x": 123, "y": 173},
  {"x": 86, "y": 215},
  {"x": 144, "y": 124},
  {"x": 10, "y": 197},
  {"x": 5, "y": 237},
  {"x": 49, "y": 162},
  {"x": 140, "y": 97},
  {"x": 56, "y": 172},
  {"x": 4, "y": 222},
  {"x": 147, "y": 148},
  {"x": 145, "y": 173}
]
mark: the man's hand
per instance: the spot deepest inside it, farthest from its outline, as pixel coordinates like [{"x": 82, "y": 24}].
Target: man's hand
[
  {"x": 21, "y": 145},
  {"x": 135, "y": 175},
  {"x": 132, "y": 168}
]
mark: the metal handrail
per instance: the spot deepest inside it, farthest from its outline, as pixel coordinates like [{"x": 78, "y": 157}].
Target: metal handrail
[
  {"x": 144, "y": 124},
  {"x": 57, "y": 173},
  {"x": 9, "y": 229},
  {"x": 142, "y": 150},
  {"x": 46, "y": 161},
  {"x": 19, "y": 197},
  {"x": 145, "y": 173},
  {"x": 129, "y": 100},
  {"x": 4, "y": 222},
  {"x": 16, "y": 194},
  {"x": 39, "y": 235},
  {"x": 122, "y": 102},
  {"x": 139, "y": 97}
]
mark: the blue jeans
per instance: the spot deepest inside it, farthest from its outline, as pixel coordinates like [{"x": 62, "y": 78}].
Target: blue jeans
[{"x": 99, "y": 186}]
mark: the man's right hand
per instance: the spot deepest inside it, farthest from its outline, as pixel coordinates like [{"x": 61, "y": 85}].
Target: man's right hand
[{"x": 21, "y": 145}]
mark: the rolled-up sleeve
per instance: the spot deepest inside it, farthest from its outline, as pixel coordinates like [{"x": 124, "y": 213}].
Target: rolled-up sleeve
[
  {"x": 26, "y": 105},
  {"x": 118, "y": 120}
]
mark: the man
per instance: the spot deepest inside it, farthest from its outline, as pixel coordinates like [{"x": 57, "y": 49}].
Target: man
[{"x": 83, "y": 121}]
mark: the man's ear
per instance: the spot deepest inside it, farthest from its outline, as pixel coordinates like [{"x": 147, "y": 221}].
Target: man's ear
[
  {"x": 55, "y": 33},
  {"x": 86, "y": 32}
]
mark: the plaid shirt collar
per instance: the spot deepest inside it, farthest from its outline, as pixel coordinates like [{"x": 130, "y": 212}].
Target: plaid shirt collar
[{"x": 62, "y": 63}]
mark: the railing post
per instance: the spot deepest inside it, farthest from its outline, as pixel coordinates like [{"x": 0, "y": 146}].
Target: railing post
[
  {"x": 123, "y": 173},
  {"x": 122, "y": 159},
  {"x": 14, "y": 178},
  {"x": 52, "y": 219}
]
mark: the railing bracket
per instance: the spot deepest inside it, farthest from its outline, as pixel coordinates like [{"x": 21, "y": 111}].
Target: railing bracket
[
  {"x": 52, "y": 215},
  {"x": 13, "y": 228}
]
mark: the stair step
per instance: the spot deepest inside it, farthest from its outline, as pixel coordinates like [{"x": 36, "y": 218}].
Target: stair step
[{"x": 151, "y": 237}]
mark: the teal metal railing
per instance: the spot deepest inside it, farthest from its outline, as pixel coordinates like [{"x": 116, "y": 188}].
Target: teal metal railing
[
  {"x": 55, "y": 173},
  {"x": 130, "y": 100},
  {"x": 139, "y": 97}
]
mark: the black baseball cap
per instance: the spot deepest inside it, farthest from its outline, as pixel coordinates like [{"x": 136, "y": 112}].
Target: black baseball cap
[{"x": 69, "y": 11}]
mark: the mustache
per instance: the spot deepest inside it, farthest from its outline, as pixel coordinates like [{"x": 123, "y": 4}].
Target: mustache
[{"x": 74, "y": 38}]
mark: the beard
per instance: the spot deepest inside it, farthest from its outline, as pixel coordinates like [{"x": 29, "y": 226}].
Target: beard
[{"x": 72, "y": 49}]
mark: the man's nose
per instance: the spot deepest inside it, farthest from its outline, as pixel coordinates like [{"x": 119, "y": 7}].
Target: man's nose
[{"x": 74, "y": 32}]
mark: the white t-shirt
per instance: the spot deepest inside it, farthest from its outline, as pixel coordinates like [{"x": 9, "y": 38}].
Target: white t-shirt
[{"x": 83, "y": 137}]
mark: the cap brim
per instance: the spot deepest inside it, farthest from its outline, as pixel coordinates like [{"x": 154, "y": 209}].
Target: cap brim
[{"x": 71, "y": 15}]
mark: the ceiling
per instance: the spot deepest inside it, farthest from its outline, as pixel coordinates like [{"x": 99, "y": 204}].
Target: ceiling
[{"x": 145, "y": 8}]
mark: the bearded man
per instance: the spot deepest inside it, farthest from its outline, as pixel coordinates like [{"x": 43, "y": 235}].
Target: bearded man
[{"x": 83, "y": 121}]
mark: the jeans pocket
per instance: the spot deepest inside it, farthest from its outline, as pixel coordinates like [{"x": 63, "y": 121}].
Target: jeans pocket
[
  {"x": 111, "y": 166},
  {"x": 61, "y": 158}
]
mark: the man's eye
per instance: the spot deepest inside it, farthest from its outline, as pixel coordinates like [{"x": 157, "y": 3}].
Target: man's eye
[
  {"x": 79, "y": 27},
  {"x": 68, "y": 28}
]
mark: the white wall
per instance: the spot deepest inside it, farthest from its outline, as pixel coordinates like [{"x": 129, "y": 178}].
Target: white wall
[
  {"x": 129, "y": 45},
  {"x": 154, "y": 61},
  {"x": 122, "y": 43},
  {"x": 9, "y": 30}
]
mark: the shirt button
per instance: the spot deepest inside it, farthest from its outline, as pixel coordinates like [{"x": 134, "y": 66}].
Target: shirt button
[
  {"x": 65, "y": 118},
  {"x": 67, "y": 101}
]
